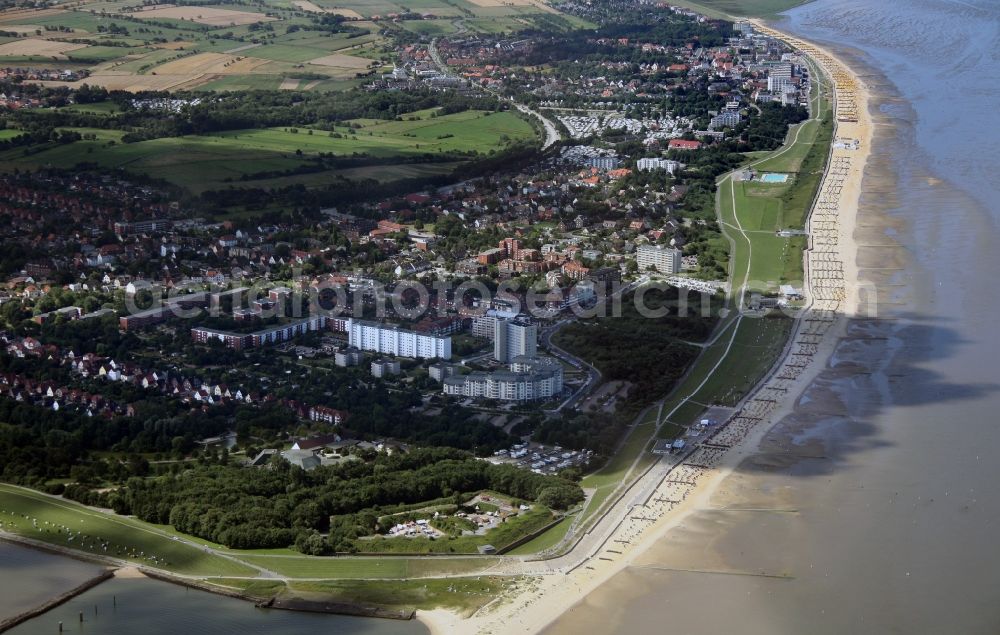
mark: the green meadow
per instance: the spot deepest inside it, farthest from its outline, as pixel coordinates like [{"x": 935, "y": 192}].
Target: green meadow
[
  {"x": 128, "y": 537},
  {"x": 201, "y": 163}
]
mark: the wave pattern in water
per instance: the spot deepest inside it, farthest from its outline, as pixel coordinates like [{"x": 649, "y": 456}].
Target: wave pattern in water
[{"x": 942, "y": 56}]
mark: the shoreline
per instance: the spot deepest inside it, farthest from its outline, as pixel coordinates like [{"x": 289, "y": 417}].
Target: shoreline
[
  {"x": 51, "y": 603},
  {"x": 833, "y": 291},
  {"x": 125, "y": 570}
]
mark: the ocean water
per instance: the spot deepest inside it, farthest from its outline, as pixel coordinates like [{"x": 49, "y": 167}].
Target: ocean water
[
  {"x": 873, "y": 508},
  {"x": 29, "y": 577},
  {"x": 151, "y": 607}
]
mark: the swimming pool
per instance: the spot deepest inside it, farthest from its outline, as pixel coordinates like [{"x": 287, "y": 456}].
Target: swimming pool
[{"x": 774, "y": 178}]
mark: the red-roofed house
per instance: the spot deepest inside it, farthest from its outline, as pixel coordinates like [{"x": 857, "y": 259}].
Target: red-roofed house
[{"x": 683, "y": 144}]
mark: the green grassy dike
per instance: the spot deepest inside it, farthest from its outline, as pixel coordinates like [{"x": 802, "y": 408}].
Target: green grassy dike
[{"x": 744, "y": 350}]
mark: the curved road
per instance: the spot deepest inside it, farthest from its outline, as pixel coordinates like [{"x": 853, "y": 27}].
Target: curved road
[{"x": 551, "y": 132}]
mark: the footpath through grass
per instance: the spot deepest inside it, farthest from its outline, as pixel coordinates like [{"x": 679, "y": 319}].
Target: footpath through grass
[
  {"x": 750, "y": 215},
  {"x": 67, "y": 525},
  {"x": 374, "y": 567}
]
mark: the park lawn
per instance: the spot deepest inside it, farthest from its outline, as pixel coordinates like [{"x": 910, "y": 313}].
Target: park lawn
[
  {"x": 547, "y": 540},
  {"x": 9, "y": 133},
  {"x": 756, "y": 347},
  {"x": 471, "y": 129},
  {"x": 318, "y": 567},
  {"x": 770, "y": 255},
  {"x": 791, "y": 160},
  {"x": 682, "y": 417},
  {"x": 464, "y": 595},
  {"x": 126, "y": 535}
]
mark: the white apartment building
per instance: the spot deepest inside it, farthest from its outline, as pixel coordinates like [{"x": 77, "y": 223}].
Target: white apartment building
[
  {"x": 514, "y": 337},
  {"x": 390, "y": 339},
  {"x": 648, "y": 164},
  {"x": 725, "y": 119},
  {"x": 663, "y": 258},
  {"x": 529, "y": 379},
  {"x": 776, "y": 84}
]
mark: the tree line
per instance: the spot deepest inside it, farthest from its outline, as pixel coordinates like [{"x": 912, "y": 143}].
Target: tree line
[{"x": 284, "y": 505}]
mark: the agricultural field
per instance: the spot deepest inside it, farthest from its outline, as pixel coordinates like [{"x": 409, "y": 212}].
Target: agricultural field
[
  {"x": 186, "y": 47},
  {"x": 180, "y": 47},
  {"x": 200, "y": 163},
  {"x": 212, "y": 16},
  {"x": 31, "y": 47}
]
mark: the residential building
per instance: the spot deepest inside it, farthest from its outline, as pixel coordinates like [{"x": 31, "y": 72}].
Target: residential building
[
  {"x": 725, "y": 119},
  {"x": 441, "y": 371},
  {"x": 661, "y": 257},
  {"x": 148, "y": 226},
  {"x": 347, "y": 357},
  {"x": 385, "y": 367},
  {"x": 390, "y": 339},
  {"x": 529, "y": 379},
  {"x": 514, "y": 337},
  {"x": 327, "y": 415},
  {"x": 683, "y": 144},
  {"x": 272, "y": 335},
  {"x": 648, "y": 164},
  {"x": 235, "y": 341}
]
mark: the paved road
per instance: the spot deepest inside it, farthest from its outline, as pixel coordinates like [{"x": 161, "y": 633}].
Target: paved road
[
  {"x": 551, "y": 132},
  {"x": 593, "y": 375}
]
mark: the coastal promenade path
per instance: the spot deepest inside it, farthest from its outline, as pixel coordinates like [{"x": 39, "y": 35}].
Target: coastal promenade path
[
  {"x": 661, "y": 498},
  {"x": 707, "y": 367}
]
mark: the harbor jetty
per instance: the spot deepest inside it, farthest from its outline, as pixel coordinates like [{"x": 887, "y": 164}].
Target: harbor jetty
[{"x": 11, "y": 622}]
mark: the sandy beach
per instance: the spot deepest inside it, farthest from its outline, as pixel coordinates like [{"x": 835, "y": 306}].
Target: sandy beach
[{"x": 834, "y": 292}]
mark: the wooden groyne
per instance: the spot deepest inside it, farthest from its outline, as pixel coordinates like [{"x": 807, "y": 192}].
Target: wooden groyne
[{"x": 10, "y": 623}]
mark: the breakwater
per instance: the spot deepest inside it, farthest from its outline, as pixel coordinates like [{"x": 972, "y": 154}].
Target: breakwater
[{"x": 50, "y": 604}]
